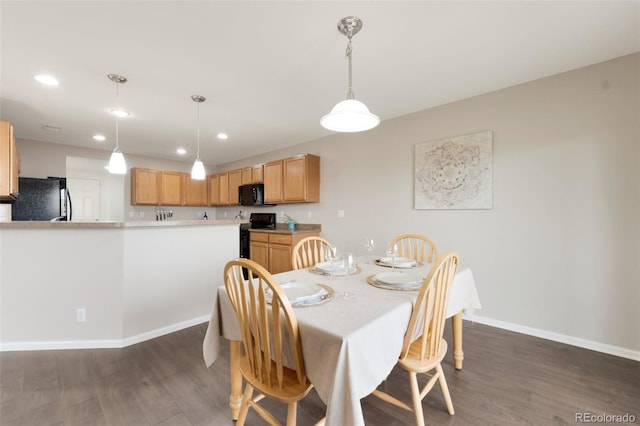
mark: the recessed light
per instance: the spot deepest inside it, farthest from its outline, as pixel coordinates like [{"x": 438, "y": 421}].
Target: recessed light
[
  {"x": 181, "y": 151},
  {"x": 99, "y": 138},
  {"x": 223, "y": 136},
  {"x": 119, "y": 112},
  {"x": 48, "y": 80}
]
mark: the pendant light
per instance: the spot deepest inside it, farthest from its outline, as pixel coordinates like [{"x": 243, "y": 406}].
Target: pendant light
[
  {"x": 197, "y": 171},
  {"x": 349, "y": 115},
  {"x": 117, "y": 165}
]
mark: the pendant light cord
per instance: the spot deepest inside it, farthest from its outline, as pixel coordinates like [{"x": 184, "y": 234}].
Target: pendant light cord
[
  {"x": 348, "y": 54},
  {"x": 117, "y": 120},
  {"x": 198, "y": 132}
]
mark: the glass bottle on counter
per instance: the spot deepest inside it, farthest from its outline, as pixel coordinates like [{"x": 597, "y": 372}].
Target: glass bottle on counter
[{"x": 205, "y": 217}]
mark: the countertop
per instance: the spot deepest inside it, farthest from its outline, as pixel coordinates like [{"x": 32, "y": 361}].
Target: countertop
[
  {"x": 108, "y": 225},
  {"x": 283, "y": 228}
]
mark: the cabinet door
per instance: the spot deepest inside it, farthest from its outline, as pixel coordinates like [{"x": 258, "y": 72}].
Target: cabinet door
[
  {"x": 301, "y": 179},
  {"x": 214, "y": 190},
  {"x": 195, "y": 192},
  {"x": 273, "y": 182},
  {"x": 145, "y": 187},
  {"x": 172, "y": 188},
  {"x": 9, "y": 163},
  {"x": 224, "y": 189},
  {"x": 247, "y": 176},
  {"x": 257, "y": 173},
  {"x": 279, "y": 258},
  {"x": 235, "y": 178},
  {"x": 260, "y": 253}
]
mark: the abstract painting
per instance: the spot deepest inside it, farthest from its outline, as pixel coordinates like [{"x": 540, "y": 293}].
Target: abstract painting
[{"x": 454, "y": 173}]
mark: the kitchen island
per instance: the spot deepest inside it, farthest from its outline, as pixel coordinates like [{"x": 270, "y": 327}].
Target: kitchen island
[{"x": 108, "y": 284}]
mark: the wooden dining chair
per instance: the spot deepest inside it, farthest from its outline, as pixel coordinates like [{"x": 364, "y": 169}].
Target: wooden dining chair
[
  {"x": 423, "y": 347},
  {"x": 415, "y": 246},
  {"x": 308, "y": 252},
  {"x": 266, "y": 325}
]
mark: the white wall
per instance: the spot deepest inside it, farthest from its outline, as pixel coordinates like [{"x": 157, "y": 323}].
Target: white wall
[{"x": 558, "y": 254}]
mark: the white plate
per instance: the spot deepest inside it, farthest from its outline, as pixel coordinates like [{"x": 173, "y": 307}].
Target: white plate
[
  {"x": 336, "y": 269},
  {"x": 401, "y": 279},
  {"x": 399, "y": 262},
  {"x": 300, "y": 292}
]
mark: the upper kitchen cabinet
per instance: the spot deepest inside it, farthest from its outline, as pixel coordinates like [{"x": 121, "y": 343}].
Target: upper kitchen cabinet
[
  {"x": 273, "y": 182},
  {"x": 9, "y": 163},
  {"x": 235, "y": 180},
  {"x": 293, "y": 180},
  {"x": 246, "y": 175},
  {"x": 172, "y": 188},
  {"x": 301, "y": 179},
  {"x": 166, "y": 188},
  {"x": 257, "y": 173},
  {"x": 219, "y": 189},
  {"x": 195, "y": 192},
  {"x": 145, "y": 186}
]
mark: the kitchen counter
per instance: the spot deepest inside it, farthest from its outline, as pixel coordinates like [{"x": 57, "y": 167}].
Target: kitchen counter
[
  {"x": 101, "y": 225},
  {"x": 283, "y": 228},
  {"x": 71, "y": 285}
]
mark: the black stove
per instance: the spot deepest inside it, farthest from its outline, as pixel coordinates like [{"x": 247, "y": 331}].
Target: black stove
[{"x": 256, "y": 221}]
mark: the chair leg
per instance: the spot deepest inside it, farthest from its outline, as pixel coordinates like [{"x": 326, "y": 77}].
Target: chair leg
[
  {"x": 244, "y": 406},
  {"x": 292, "y": 411},
  {"x": 415, "y": 397},
  {"x": 445, "y": 389}
]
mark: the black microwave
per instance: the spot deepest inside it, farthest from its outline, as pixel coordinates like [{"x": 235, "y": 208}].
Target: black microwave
[{"x": 251, "y": 194}]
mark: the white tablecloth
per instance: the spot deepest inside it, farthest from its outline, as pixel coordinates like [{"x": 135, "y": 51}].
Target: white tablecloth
[{"x": 350, "y": 344}]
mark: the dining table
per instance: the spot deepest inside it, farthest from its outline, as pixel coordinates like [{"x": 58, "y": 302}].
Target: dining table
[{"x": 351, "y": 340}]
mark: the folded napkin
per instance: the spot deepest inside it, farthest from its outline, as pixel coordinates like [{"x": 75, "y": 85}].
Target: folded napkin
[
  {"x": 300, "y": 292},
  {"x": 399, "y": 279},
  {"x": 337, "y": 268},
  {"x": 398, "y": 262}
]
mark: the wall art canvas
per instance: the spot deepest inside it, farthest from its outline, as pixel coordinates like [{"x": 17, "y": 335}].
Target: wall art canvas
[{"x": 454, "y": 173}]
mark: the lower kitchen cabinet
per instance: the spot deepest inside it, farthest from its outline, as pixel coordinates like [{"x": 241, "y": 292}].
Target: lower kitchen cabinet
[{"x": 273, "y": 250}]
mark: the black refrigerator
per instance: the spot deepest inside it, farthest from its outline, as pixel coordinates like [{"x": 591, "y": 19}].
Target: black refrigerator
[{"x": 42, "y": 199}]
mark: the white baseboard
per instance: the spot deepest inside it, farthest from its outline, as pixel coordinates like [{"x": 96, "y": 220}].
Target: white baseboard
[
  {"x": 557, "y": 337},
  {"x": 128, "y": 341},
  {"x": 101, "y": 344}
]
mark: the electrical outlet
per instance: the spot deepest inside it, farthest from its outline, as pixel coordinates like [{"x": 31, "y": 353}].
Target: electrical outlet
[
  {"x": 141, "y": 214},
  {"x": 340, "y": 213},
  {"x": 309, "y": 214},
  {"x": 132, "y": 214},
  {"x": 81, "y": 315}
]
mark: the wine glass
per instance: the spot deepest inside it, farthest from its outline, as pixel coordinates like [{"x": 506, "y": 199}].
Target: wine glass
[
  {"x": 349, "y": 265},
  {"x": 369, "y": 244},
  {"x": 392, "y": 252},
  {"x": 331, "y": 254}
]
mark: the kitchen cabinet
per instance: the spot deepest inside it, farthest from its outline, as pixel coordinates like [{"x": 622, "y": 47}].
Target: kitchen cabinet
[
  {"x": 246, "y": 175},
  {"x": 257, "y": 173},
  {"x": 235, "y": 180},
  {"x": 293, "y": 180},
  {"x": 171, "y": 188},
  {"x": 273, "y": 182},
  {"x": 301, "y": 179},
  {"x": 273, "y": 250},
  {"x": 195, "y": 192},
  {"x": 213, "y": 182},
  {"x": 145, "y": 187},
  {"x": 219, "y": 189},
  {"x": 9, "y": 163}
]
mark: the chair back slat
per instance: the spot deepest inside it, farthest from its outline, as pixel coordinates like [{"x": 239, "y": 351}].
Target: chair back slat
[
  {"x": 269, "y": 330},
  {"x": 415, "y": 246},
  {"x": 309, "y": 251},
  {"x": 428, "y": 316}
]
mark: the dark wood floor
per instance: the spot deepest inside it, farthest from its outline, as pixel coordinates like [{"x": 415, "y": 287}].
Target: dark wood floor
[{"x": 508, "y": 379}]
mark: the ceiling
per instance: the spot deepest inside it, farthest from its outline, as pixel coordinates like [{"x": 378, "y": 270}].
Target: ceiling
[{"x": 271, "y": 69}]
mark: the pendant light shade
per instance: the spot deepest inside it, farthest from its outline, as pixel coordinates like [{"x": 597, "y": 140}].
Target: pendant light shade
[
  {"x": 349, "y": 115},
  {"x": 117, "y": 165},
  {"x": 197, "y": 171}
]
